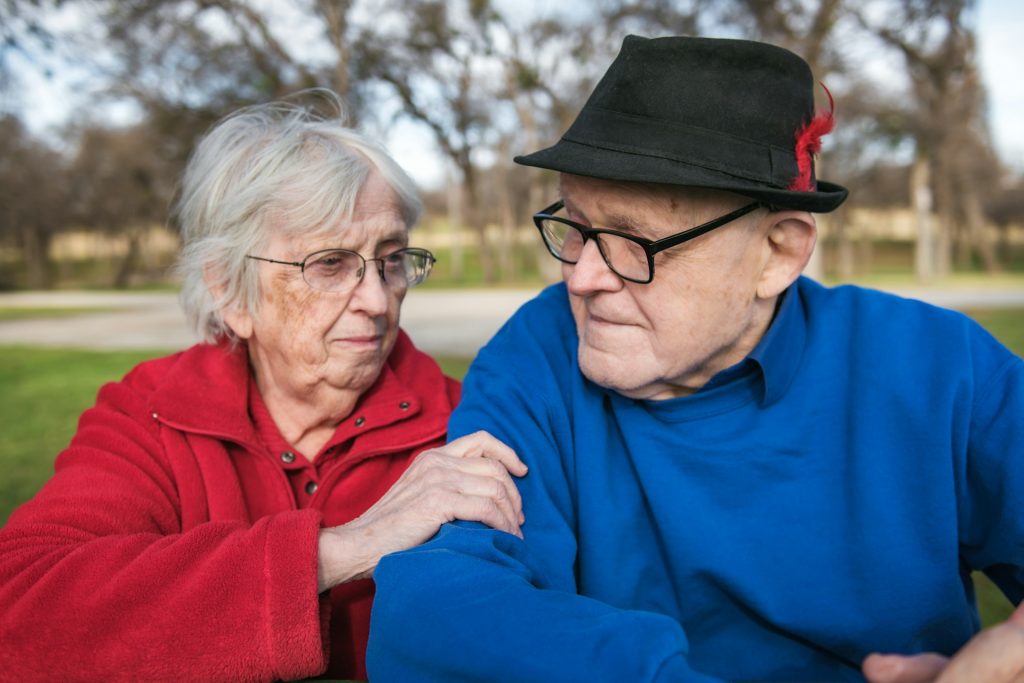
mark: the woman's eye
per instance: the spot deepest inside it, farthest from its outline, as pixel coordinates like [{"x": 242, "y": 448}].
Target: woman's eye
[
  {"x": 330, "y": 263},
  {"x": 394, "y": 261}
]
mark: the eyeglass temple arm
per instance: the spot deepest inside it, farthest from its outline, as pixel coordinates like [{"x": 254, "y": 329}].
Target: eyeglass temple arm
[
  {"x": 551, "y": 209},
  {"x": 707, "y": 227},
  {"x": 270, "y": 260}
]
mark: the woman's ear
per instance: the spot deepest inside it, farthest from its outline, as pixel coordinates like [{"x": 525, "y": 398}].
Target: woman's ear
[
  {"x": 790, "y": 240},
  {"x": 236, "y": 318},
  {"x": 239, "y": 321}
]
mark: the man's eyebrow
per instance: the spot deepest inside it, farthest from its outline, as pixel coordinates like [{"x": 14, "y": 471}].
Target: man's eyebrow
[
  {"x": 626, "y": 223},
  {"x": 613, "y": 221}
]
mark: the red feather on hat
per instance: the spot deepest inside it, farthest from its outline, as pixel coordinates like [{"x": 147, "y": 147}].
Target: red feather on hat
[{"x": 808, "y": 143}]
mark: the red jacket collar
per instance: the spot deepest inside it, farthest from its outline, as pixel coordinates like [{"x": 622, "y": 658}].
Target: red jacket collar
[{"x": 204, "y": 390}]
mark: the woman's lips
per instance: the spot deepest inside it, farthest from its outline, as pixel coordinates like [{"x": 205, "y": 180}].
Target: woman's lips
[{"x": 364, "y": 340}]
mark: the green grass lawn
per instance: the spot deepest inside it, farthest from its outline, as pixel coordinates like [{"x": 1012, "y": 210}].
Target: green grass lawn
[
  {"x": 23, "y": 313},
  {"x": 45, "y": 390}
]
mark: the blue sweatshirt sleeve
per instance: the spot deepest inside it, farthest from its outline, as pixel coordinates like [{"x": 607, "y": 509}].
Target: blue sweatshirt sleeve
[
  {"x": 991, "y": 471},
  {"x": 479, "y": 604}
]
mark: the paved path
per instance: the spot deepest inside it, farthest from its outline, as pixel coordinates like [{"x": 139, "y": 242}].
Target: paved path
[{"x": 455, "y": 322}]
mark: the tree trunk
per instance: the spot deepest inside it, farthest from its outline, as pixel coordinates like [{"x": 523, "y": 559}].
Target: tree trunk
[
  {"x": 35, "y": 247},
  {"x": 944, "y": 204},
  {"x": 537, "y": 195},
  {"x": 550, "y": 268},
  {"x": 962, "y": 256},
  {"x": 977, "y": 233},
  {"x": 129, "y": 264},
  {"x": 846, "y": 258},
  {"x": 508, "y": 257},
  {"x": 477, "y": 222},
  {"x": 335, "y": 15},
  {"x": 944, "y": 245},
  {"x": 815, "y": 268},
  {"x": 455, "y": 224},
  {"x": 865, "y": 253},
  {"x": 1003, "y": 244},
  {"x": 925, "y": 253}
]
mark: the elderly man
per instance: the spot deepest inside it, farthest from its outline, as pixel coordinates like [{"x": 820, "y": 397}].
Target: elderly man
[{"x": 735, "y": 473}]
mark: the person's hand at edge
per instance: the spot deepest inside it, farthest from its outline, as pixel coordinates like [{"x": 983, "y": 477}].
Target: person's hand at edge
[{"x": 996, "y": 655}]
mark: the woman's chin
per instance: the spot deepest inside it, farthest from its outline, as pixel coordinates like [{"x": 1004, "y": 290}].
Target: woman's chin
[{"x": 353, "y": 370}]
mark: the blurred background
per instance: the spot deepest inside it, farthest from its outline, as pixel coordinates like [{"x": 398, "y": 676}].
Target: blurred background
[{"x": 100, "y": 103}]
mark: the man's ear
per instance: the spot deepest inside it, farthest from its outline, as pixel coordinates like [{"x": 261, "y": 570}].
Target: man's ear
[
  {"x": 235, "y": 317},
  {"x": 790, "y": 240}
]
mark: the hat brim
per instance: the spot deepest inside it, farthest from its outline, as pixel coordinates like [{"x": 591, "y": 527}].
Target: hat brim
[{"x": 608, "y": 164}]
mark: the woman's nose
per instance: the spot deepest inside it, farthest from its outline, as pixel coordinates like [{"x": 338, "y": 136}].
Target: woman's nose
[{"x": 370, "y": 295}]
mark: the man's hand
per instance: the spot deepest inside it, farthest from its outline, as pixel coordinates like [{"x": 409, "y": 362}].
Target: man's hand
[
  {"x": 467, "y": 479},
  {"x": 996, "y": 655}
]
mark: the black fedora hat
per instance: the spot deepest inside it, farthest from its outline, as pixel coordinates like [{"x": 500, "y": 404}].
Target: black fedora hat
[{"x": 727, "y": 114}]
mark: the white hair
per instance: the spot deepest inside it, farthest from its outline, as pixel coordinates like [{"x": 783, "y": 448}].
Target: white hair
[{"x": 277, "y": 164}]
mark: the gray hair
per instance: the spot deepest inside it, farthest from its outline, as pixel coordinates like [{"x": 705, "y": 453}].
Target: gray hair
[{"x": 278, "y": 162}]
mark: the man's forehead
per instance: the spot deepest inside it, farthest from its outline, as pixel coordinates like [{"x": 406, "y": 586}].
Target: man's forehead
[{"x": 623, "y": 201}]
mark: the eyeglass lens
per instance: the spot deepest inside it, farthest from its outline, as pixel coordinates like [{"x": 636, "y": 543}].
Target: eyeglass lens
[
  {"x": 339, "y": 269},
  {"x": 625, "y": 257}
]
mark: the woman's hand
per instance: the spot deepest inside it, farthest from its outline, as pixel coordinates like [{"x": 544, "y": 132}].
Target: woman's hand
[{"x": 467, "y": 479}]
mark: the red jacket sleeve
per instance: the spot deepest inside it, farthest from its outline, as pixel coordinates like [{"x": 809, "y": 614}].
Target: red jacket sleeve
[{"x": 98, "y": 580}]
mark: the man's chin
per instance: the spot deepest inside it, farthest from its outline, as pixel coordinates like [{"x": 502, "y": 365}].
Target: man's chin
[{"x": 608, "y": 373}]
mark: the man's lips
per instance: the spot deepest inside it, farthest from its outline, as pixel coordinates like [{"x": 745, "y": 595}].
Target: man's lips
[{"x": 594, "y": 318}]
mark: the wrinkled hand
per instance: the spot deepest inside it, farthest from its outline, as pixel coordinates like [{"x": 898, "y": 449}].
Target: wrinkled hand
[
  {"x": 996, "y": 655},
  {"x": 468, "y": 479}
]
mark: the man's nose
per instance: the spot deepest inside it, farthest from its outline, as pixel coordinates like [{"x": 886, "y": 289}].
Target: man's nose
[{"x": 590, "y": 273}]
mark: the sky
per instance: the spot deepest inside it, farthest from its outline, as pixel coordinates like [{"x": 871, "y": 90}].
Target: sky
[
  {"x": 1000, "y": 26},
  {"x": 1001, "y": 42}
]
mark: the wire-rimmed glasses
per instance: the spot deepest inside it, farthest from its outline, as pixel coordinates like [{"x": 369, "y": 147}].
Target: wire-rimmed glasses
[
  {"x": 340, "y": 270},
  {"x": 628, "y": 256}
]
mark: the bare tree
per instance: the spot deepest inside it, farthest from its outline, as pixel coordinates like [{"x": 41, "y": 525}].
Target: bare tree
[
  {"x": 864, "y": 153},
  {"x": 437, "y": 57},
  {"x": 551, "y": 62},
  {"x": 120, "y": 184},
  {"x": 33, "y": 201},
  {"x": 22, "y": 31},
  {"x": 937, "y": 45},
  {"x": 549, "y": 69},
  {"x": 185, "y": 63},
  {"x": 227, "y": 49},
  {"x": 486, "y": 85},
  {"x": 806, "y": 28}
]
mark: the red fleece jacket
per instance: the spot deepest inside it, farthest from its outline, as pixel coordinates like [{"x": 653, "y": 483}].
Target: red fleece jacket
[{"x": 173, "y": 543}]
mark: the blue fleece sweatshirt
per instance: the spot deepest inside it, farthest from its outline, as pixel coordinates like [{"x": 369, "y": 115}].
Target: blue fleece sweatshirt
[{"x": 823, "y": 499}]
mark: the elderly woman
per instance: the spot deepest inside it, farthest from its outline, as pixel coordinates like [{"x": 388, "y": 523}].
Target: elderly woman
[{"x": 219, "y": 512}]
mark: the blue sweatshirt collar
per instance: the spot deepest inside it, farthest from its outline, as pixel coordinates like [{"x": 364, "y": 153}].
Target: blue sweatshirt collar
[
  {"x": 764, "y": 375},
  {"x": 780, "y": 351}
]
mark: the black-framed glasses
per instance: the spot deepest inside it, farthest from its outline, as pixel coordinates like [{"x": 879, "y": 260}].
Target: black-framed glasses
[
  {"x": 628, "y": 256},
  {"x": 340, "y": 270}
]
